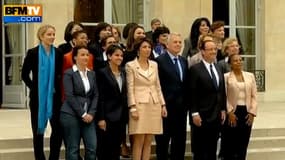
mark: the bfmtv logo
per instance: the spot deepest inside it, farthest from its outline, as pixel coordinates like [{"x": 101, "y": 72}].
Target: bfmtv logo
[{"x": 22, "y": 13}]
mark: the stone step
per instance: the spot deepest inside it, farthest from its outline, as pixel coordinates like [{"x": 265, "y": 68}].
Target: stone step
[
  {"x": 264, "y": 144},
  {"x": 265, "y": 132},
  {"x": 19, "y": 143},
  {"x": 23, "y": 153},
  {"x": 257, "y": 135},
  {"x": 266, "y": 154},
  {"x": 253, "y": 154}
]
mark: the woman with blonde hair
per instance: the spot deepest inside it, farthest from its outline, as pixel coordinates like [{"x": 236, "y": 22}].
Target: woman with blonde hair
[
  {"x": 230, "y": 47},
  {"x": 44, "y": 62}
]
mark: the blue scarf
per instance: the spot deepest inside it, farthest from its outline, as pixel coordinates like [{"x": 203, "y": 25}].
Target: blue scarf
[{"x": 45, "y": 86}]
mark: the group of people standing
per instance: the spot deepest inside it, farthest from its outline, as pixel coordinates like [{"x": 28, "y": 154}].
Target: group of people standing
[{"x": 92, "y": 90}]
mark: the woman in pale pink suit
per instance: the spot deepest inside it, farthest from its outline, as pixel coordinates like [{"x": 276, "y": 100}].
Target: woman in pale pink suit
[
  {"x": 241, "y": 107},
  {"x": 145, "y": 100}
]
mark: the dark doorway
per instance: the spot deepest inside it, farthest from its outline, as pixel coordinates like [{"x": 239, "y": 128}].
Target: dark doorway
[
  {"x": 89, "y": 11},
  {"x": 221, "y": 12}
]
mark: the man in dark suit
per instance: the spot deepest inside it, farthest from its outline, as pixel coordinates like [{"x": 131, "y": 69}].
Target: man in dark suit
[
  {"x": 207, "y": 103},
  {"x": 154, "y": 24},
  {"x": 172, "y": 73}
]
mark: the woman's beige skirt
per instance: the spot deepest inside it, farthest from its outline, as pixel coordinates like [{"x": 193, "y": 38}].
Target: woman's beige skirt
[{"x": 149, "y": 121}]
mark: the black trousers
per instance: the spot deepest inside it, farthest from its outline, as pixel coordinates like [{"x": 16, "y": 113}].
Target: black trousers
[
  {"x": 204, "y": 140},
  {"x": 174, "y": 131},
  {"x": 235, "y": 139},
  {"x": 38, "y": 139},
  {"x": 109, "y": 141}
]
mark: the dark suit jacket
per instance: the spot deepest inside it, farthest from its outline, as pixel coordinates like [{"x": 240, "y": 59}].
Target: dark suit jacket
[
  {"x": 173, "y": 88},
  {"x": 204, "y": 97},
  {"x": 129, "y": 56},
  {"x": 65, "y": 47},
  {"x": 75, "y": 96},
  {"x": 224, "y": 66},
  {"x": 112, "y": 104},
  {"x": 31, "y": 63},
  {"x": 97, "y": 51},
  {"x": 149, "y": 35}
]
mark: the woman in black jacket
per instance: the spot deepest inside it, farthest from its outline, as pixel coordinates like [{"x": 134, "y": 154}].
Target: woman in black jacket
[
  {"x": 112, "y": 109},
  {"x": 44, "y": 62}
]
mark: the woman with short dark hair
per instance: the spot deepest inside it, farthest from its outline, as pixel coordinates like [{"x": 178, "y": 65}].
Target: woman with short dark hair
[
  {"x": 112, "y": 112},
  {"x": 145, "y": 100},
  {"x": 70, "y": 28},
  {"x": 159, "y": 38},
  {"x": 241, "y": 94},
  {"x": 79, "y": 107}
]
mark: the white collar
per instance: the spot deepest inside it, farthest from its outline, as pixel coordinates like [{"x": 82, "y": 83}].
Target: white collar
[
  {"x": 75, "y": 68},
  {"x": 207, "y": 63},
  {"x": 172, "y": 56}
]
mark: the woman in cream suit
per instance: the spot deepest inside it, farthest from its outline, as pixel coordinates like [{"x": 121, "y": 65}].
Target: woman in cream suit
[
  {"x": 145, "y": 100},
  {"x": 241, "y": 108}
]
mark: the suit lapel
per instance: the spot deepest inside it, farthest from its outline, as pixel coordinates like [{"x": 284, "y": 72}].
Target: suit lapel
[
  {"x": 124, "y": 82},
  {"x": 220, "y": 74},
  {"x": 246, "y": 83},
  {"x": 206, "y": 73},
  {"x": 233, "y": 80},
  {"x": 141, "y": 71},
  {"x": 172, "y": 65},
  {"x": 183, "y": 67},
  {"x": 151, "y": 69},
  {"x": 110, "y": 76},
  {"x": 79, "y": 81}
]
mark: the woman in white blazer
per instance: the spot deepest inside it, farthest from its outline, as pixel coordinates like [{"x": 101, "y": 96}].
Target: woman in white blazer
[{"x": 241, "y": 107}]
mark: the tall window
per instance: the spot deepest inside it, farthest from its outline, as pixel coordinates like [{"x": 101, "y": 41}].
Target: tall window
[
  {"x": 14, "y": 39},
  {"x": 240, "y": 19}
]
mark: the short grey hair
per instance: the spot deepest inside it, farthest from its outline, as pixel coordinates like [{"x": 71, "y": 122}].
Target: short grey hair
[{"x": 171, "y": 35}]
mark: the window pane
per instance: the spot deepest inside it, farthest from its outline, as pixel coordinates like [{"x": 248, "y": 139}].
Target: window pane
[
  {"x": 249, "y": 64},
  {"x": 14, "y": 34},
  {"x": 245, "y": 12},
  {"x": 125, "y": 11},
  {"x": 89, "y": 11},
  {"x": 227, "y": 32},
  {"x": 13, "y": 66},
  {"x": 14, "y": 47},
  {"x": 221, "y": 10},
  {"x": 246, "y": 37}
]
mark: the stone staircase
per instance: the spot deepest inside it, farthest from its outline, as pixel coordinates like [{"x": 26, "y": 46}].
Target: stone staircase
[
  {"x": 20, "y": 149},
  {"x": 265, "y": 144}
]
